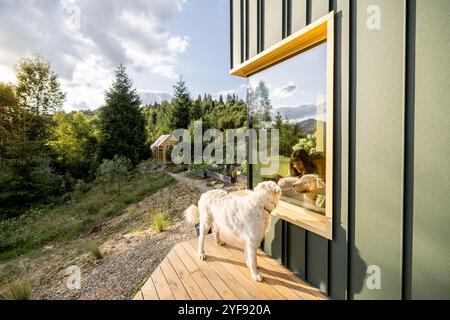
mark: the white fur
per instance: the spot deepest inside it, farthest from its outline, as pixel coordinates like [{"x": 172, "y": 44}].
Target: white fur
[{"x": 244, "y": 218}]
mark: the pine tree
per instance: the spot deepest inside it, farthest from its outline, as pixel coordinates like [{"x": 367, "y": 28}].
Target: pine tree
[
  {"x": 179, "y": 117},
  {"x": 196, "y": 110},
  {"x": 278, "y": 121},
  {"x": 121, "y": 121},
  {"x": 263, "y": 101}
]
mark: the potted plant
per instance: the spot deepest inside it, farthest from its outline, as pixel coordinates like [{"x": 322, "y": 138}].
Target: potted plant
[{"x": 199, "y": 170}]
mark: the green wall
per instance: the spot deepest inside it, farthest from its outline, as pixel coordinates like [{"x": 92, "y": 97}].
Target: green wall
[
  {"x": 431, "y": 214},
  {"x": 391, "y": 162}
]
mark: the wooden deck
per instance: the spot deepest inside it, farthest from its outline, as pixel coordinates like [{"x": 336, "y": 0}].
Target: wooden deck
[{"x": 223, "y": 276}]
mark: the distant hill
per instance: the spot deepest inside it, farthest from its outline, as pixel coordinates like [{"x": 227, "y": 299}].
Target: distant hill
[
  {"x": 308, "y": 126},
  {"x": 150, "y": 97}
]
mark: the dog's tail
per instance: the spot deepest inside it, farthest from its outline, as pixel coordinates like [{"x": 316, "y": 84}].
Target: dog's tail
[{"x": 192, "y": 215}]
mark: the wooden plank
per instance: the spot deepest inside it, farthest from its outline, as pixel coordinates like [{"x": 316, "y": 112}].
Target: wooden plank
[
  {"x": 138, "y": 296},
  {"x": 189, "y": 283},
  {"x": 241, "y": 272},
  {"x": 187, "y": 260},
  {"x": 270, "y": 276},
  {"x": 230, "y": 267},
  {"x": 207, "y": 288},
  {"x": 161, "y": 285},
  {"x": 149, "y": 291},
  {"x": 176, "y": 286},
  {"x": 220, "y": 286},
  {"x": 240, "y": 292},
  {"x": 291, "y": 277}
]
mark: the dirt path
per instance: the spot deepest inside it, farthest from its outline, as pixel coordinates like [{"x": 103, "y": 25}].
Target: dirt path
[{"x": 200, "y": 184}]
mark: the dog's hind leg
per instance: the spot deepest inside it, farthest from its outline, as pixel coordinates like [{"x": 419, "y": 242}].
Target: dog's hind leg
[
  {"x": 251, "y": 261},
  {"x": 205, "y": 226},
  {"x": 217, "y": 236}
]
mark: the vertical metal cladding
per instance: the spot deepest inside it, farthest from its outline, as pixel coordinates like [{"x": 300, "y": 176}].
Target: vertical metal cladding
[{"x": 390, "y": 207}]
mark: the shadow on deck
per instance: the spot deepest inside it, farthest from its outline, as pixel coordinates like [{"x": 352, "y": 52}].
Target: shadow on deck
[{"x": 223, "y": 276}]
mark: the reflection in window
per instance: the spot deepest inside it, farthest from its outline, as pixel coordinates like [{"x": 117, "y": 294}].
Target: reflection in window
[{"x": 291, "y": 97}]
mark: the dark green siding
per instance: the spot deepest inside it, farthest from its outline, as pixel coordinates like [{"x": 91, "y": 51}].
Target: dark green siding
[
  {"x": 391, "y": 163},
  {"x": 338, "y": 248},
  {"x": 431, "y": 236},
  {"x": 379, "y": 149}
]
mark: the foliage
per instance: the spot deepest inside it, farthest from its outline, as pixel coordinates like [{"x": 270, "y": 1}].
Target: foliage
[
  {"x": 19, "y": 289},
  {"x": 179, "y": 115},
  {"x": 74, "y": 143},
  {"x": 39, "y": 95},
  {"x": 147, "y": 167},
  {"x": 38, "y": 88},
  {"x": 121, "y": 122},
  {"x": 113, "y": 172},
  {"x": 27, "y": 181},
  {"x": 308, "y": 144},
  {"x": 160, "y": 222},
  {"x": 70, "y": 221},
  {"x": 94, "y": 249}
]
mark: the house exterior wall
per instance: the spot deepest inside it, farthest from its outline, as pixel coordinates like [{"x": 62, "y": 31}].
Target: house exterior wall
[{"x": 391, "y": 168}]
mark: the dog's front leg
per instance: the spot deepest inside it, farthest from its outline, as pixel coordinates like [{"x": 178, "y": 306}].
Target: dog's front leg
[
  {"x": 201, "y": 241},
  {"x": 251, "y": 261}
]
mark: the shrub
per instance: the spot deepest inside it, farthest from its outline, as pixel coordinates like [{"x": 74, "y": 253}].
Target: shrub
[
  {"x": 19, "y": 289},
  {"x": 25, "y": 182},
  {"x": 146, "y": 167},
  {"x": 160, "y": 222},
  {"x": 113, "y": 172},
  {"x": 94, "y": 250}
]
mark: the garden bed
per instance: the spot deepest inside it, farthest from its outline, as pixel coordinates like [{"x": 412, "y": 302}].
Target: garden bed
[
  {"x": 199, "y": 173},
  {"x": 221, "y": 177}
]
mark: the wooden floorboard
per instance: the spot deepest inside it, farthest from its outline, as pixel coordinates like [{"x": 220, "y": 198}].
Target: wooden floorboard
[{"x": 224, "y": 275}]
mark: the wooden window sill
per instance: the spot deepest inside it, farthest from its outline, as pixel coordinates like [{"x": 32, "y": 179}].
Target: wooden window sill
[{"x": 311, "y": 221}]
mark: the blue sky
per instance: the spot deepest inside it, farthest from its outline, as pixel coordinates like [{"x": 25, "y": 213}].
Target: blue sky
[{"x": 156, "y": 40}]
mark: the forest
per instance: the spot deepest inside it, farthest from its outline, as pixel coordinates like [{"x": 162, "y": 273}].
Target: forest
[{"x": 47, "y": 156}]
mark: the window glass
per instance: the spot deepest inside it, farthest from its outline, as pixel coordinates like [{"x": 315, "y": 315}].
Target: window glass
[{"x": 291, "y": 97}]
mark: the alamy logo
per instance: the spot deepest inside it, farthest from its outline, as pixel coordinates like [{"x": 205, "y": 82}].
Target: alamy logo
[
  {"x": 374, "y": 279},
  {"x": 73, "y": 14},
  {"x": 73, "y": 278},
  {"x": 374, "y": 17}
]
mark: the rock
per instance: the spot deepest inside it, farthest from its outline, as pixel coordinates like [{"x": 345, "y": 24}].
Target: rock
[{"x": 219, "y": 186}]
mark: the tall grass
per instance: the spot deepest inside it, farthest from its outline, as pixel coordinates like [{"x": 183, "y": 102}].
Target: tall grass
[
  {"x": 160, "y": 222},
  {"x": 94, "y": 249},
  {"x": 70, "y": 221},
  {"x": 19, "y": 289}
]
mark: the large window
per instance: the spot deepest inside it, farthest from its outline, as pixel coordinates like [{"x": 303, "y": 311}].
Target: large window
[
  {"x": 290, "y": 89},
  {"x": 291, "y": 97}
]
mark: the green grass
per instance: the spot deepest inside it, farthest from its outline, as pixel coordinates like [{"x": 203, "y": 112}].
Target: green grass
[
  {"x": 160, "y": 222},
  {"x": 175, "y": 169},
  {"x": 19, "y": 289},
  {"x": 68, "y": 222},
  {"x": 94, "y": 250}
]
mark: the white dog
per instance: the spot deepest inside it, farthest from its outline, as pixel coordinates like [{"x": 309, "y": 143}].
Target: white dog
[{"x": 245, "y": 218}]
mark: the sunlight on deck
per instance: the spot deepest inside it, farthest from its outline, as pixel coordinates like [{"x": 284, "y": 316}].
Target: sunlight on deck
[{"x": 223, "y": 276}]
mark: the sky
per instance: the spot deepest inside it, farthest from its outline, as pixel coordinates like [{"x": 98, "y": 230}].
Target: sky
[
  {"x": 156, "y": 40},
  {"x": 298, "y": 85}
]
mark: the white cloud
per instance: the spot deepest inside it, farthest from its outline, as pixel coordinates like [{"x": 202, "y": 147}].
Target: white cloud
[
  {"x": 178, "y": 45},
  {"x": 7, "y": 75},
  {"x": 85, "y": 40},
  {"x": 286, "y": 91}
]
